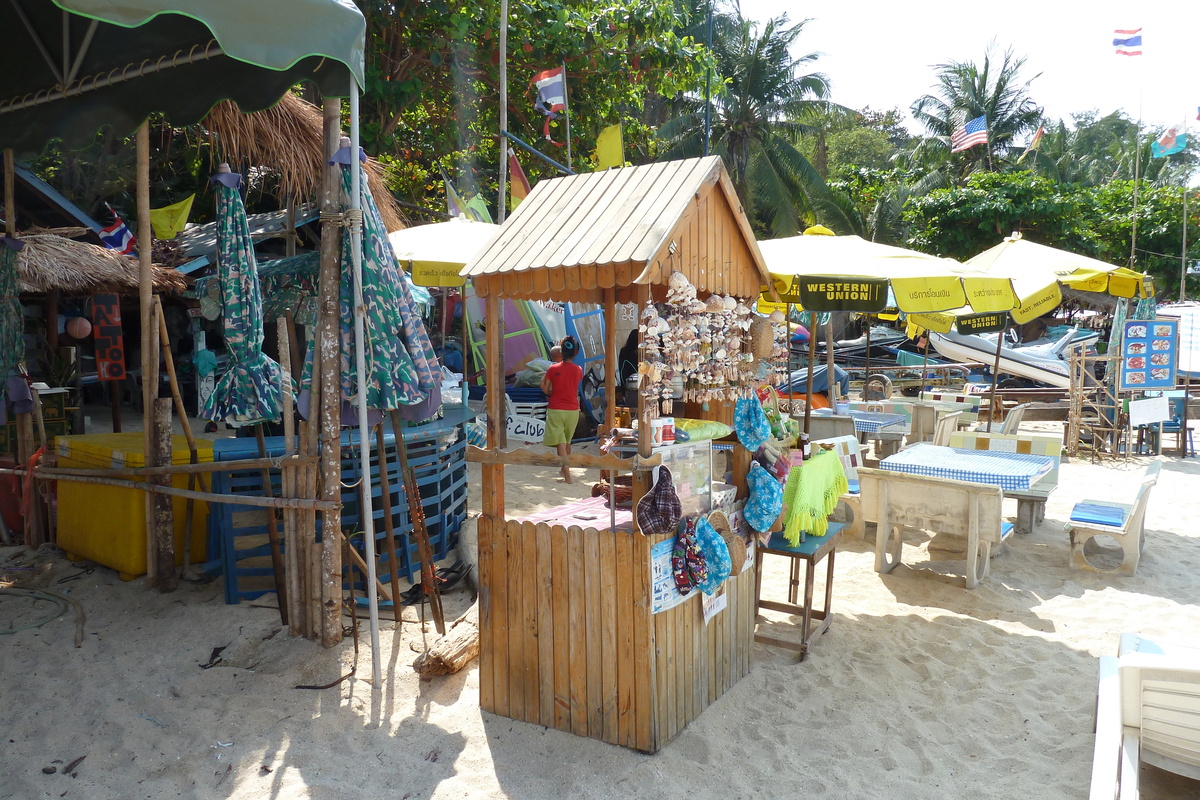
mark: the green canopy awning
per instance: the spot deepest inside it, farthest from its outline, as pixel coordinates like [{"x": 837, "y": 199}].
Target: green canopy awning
[{"x": 70, "y": 67}]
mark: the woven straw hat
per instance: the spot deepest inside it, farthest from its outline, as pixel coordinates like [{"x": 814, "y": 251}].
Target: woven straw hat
[
  {"x": 762, "y": 338},
  {"x": 735, "y": 543}
]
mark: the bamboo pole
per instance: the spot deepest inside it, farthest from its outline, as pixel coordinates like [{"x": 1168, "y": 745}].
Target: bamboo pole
[
  {"x": 310, "y": 553},
  {"x": 287, "y": 476},
  {"x": 389, "y": 524},
  {"x": 163, "y": 524},
  {"x": 812, "y": 365},
  {"x": 502, "y": 200},
  {"x": 416, "y": 516},
  {"x": 149, "y": 349},
  {"x": 328, "y": 360},
  {"x": 173, "y": 469},
  {"x": 610, "y": 360},
  {"x": 497, "y": 418}
]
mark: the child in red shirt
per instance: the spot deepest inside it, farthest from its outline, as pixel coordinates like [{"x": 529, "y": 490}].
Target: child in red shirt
[{"x": 561, "y": 385}]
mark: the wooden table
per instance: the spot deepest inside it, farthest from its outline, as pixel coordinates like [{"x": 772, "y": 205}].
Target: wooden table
[{"x": 810, "y": 551}]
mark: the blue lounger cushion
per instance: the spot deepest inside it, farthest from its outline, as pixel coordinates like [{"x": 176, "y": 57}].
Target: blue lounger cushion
[
  {"x": 1099, "y": 514},
  {"x": 854, "y": 487}
]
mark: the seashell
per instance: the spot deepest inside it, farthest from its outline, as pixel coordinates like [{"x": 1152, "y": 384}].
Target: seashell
[
  {"x": 741, "y": 310},
  {"x": 730, "y": 303},
  {"x": 678, "y": 280},
  {"x": 720, "y": 353},
  {"x": 698, "y": 307},
  {"x": 714, "y": 304},
  {"x": 777, "y": 317}
]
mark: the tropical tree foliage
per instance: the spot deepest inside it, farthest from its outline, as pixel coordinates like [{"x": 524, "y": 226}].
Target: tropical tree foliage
[
  {"x": 964, "y": 91},
  {"x": 763, "y": 91}
]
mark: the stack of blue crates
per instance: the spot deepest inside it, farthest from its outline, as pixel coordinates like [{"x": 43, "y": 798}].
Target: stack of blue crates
[{"x": 437, "y": 456}]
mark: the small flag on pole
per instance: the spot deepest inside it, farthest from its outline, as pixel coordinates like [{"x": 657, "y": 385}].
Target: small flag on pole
[
  {"x": 969, "y": 134},
  {"x": 1197, "y": 112},
  {"x": 518, "y": 186},
  {"x": 1128, "y": 42},
  {"x": 454, "y": 203},
  {"x": 169, "y": 221},
  {"x": 1033, "y": 143},
  {"x": 610, "y": 150},
  {"x": 117, "y": 236},
  {"x": 477, "y": 209},
  {"x": 1173, "y": 140},
  {"x": 551, "y": 95}
]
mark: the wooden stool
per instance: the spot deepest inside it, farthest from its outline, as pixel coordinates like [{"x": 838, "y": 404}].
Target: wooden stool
[{"x": 810, "y": 551}]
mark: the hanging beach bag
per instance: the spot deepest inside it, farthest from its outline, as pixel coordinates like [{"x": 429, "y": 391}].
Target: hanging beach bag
[
  {"x": 751, "y": 423},
  {"x": 765, "y": 503},
  {"x": 716, "y": 556},
  {"x": 688, "y": 566},
  {"x": 659, "y": 510}
]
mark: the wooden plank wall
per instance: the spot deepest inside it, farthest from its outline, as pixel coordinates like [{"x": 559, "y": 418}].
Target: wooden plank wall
[{"x": 567, "y": 639}]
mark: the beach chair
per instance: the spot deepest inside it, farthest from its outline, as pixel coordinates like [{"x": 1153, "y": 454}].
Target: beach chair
[
  {"x": 1124, "y": 523},
  {"x": 945, "y": 427},
  {"x": 850, "y": 451},
  {"x": 1147, "y": 709},
  {"x": 1012, "y": 421}
]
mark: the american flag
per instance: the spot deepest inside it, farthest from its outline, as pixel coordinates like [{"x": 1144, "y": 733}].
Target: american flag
[
  {"x": 1128, "y": 41},
  {"x": 969, "y": 134}
]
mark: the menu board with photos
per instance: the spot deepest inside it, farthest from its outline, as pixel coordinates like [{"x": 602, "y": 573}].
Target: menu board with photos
[{"x": 1148, "y": 351}]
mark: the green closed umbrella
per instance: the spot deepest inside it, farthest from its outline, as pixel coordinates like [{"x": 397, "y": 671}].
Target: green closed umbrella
[
  {"x": 12, "y": 342},
  {"x": 249, "y": 391}
]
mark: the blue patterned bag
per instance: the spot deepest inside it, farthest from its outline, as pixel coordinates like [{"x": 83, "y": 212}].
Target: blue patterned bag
[
  {"x": 716, "y": 556},
  {"x": 766, "y": 499},
  {"x": 751, "y": 424}
]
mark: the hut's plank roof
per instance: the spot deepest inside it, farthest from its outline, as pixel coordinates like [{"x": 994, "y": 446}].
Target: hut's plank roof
[{"x": 603, "y": 229}]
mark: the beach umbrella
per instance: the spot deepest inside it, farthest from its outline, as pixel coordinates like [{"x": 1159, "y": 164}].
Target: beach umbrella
[
  {"x": 402, "y": 371},
  {"x": 12, "y": 342},
  {"x": 249, "y": 391},
  {"x": 436, "y": 253}
]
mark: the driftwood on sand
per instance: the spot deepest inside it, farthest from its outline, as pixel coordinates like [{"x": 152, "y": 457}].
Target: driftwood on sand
[{"x": 453, "y": 651}]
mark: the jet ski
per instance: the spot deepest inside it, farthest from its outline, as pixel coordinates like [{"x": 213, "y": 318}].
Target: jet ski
[{"x": 1044, "y": 360}]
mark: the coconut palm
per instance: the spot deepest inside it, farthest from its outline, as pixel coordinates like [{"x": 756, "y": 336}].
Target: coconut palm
[
  {"x": 965, "y": 91},
  {"x": 759, "y": 92}
]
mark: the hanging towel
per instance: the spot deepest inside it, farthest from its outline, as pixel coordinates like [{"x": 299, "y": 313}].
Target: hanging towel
[{"x": 812, "y": 492}]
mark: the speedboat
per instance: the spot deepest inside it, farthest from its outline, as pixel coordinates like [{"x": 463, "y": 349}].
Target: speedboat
[{"x": 1043, "y": 360}]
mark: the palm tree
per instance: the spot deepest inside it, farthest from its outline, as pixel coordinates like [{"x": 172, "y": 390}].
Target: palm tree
[
  {"x": 965, "y": 91},
  {"x": 758, "y": 93}
]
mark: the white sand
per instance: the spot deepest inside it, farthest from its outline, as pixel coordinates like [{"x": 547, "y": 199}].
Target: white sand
[{"x": 919, "y": 689}]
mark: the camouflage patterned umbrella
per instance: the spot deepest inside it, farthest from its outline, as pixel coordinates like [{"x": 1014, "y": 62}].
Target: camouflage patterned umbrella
[
  {"x": 12, "y": 343},
  {"x": 249, "y": 391},
  {"x": 402, "y": 369}
]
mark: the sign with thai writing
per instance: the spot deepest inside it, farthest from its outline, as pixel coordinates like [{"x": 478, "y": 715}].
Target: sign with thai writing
[
  {"x": 107, "y": 337},
  {"x": 436, "y": 273}
]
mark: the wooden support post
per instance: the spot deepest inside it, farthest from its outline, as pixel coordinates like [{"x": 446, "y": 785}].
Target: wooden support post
[
  {"x": 641, "y": 478},
  {"x": 416, "y": 516},
  {"x": 497, "y": 416},
  {"x": 162, "y": 525},
  {"x": 149, "y": 365},
  {"x": 327, "y": 361},
  {"x": 288, "y": 486},
  {"x": 610, "y": 359},
  {"x": 10, "y": 193}
]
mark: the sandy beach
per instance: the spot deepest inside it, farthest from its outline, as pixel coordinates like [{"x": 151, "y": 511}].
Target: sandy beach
[{"x": 919, "y": 689}]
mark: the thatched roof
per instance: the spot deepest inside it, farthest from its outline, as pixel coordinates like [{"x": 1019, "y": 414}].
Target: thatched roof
[
  {"x": 49, "y": 262},
  {"x": 288, "y": 138}
]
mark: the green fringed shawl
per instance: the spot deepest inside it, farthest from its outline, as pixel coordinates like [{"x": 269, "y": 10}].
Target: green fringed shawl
[{"x": 811, "y": 495}]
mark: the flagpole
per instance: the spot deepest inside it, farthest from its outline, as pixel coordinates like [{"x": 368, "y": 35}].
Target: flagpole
[
  {"x": 1137, "y": 165},
  {"x": 567, "y": 114},
  {"x": 502, "y": 201},
  {"x": 1183, "y": 250},
  {"x": 708, "y": 96}
]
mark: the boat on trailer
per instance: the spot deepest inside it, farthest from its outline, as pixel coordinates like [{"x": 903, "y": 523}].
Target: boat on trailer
[{"x": 1044, "y": 360}]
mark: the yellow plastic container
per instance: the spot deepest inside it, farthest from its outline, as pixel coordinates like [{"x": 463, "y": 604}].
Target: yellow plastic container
[{"x": 107, "y": 524}]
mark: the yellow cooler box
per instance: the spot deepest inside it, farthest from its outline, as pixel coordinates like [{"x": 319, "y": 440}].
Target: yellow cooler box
[{"x": 107, "y": 524}]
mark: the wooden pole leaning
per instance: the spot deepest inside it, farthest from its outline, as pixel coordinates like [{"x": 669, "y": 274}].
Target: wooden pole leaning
[
  {"x": 288, "y": 481},
  {"x": 273, "y": 530},
  {"x": 163, "y": 523},
  {"x": 327, "y": 361},
  {"x": 389, "y": 525}
]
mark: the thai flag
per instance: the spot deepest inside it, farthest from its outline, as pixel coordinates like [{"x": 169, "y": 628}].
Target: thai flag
[
  {"x": 551, "y": 91},
  {"x": 1128, "y": 42},
  {"x": 117, "y": 236}
]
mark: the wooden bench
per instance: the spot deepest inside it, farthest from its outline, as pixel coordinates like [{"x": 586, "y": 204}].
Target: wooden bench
[
  {"x": 899, "y": 500},
  {"x": 1031, "y": 502},
  {"x": 850, "y": 451},
  {"x": 1124, "y": 523}
]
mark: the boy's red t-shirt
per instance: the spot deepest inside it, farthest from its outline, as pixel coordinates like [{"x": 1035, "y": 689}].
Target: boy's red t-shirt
[{"x": 564, "y": 385}]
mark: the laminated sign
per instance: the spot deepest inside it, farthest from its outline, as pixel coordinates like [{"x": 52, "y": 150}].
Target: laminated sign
[
  {"x": 981, "y": 323},
  {"x": 107, "y": 338},
  {"x": 817, "y": 293}
]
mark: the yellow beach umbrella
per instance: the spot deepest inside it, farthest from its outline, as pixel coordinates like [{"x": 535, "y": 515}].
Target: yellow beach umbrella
[
  {"x": 439, "y": 251},
  {"x": 848, "y": 273}
]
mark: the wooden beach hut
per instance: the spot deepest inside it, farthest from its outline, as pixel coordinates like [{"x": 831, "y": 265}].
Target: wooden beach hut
[{"x": 569, "y": 639}]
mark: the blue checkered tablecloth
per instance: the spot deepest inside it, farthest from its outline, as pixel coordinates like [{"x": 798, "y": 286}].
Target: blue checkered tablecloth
[
  {"x": 868, "y": 421},
  {"x": 1010, "y": 471}
]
